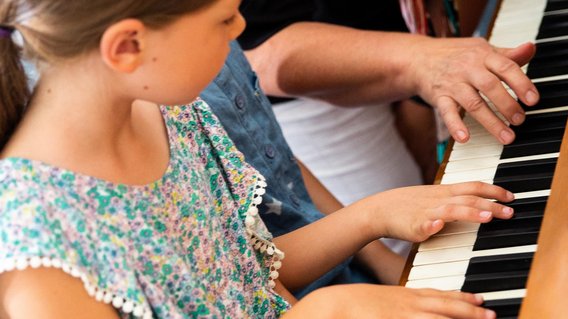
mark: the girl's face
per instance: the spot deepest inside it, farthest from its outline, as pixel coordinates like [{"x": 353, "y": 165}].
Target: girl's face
[{"x": 187, "y": 54}]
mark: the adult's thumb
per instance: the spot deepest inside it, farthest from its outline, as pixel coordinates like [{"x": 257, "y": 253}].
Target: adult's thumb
[{"x": 521, "y": 54}]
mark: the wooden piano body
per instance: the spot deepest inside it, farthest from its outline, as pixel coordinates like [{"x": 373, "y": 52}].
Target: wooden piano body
[{"x": 517, "y": 21}]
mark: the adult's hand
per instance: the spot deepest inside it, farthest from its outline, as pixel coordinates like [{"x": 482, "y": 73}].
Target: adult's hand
[{"x": 454, "y": 73}]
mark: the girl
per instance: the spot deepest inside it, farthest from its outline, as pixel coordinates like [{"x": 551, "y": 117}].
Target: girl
[{"x": 112, "y": 206}]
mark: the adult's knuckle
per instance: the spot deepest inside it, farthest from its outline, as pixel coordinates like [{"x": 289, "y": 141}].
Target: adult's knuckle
[
  {"x": 488, "y": 83},
  {"x": 474, "y": 104},
  {"x": 506, "y": 66}
]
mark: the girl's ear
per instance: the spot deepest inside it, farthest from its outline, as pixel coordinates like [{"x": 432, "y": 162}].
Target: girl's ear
[{"x": 122, "y": 45}]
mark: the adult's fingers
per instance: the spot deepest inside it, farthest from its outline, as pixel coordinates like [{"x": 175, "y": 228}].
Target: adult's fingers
[
  {"x": 449, "y": 111},
  {"x": 489, "y": 83},
  {"x": 522, "y": 54},
  {"x": 474, "y": 104},
  {"x": 508, "y": 71}
]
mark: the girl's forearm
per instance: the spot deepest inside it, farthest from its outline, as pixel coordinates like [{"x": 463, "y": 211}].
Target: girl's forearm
[{"x": 313, "y": 250}]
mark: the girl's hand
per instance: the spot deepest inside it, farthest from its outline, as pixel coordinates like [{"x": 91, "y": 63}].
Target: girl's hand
[
  {"x": 416, "y": 213},
  {"x": 363, "y": 301}
]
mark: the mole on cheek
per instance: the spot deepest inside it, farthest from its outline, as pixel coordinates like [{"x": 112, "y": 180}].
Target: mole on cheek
[
  {"x": 154, "y": 59},
  {"x": 146, "y": 88}
]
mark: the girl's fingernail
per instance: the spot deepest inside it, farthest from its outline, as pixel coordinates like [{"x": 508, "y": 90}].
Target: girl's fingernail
[
  {"x": 485, "y": 214},
  {"x": 490, "y": 314},
  {"x": 508, "y": 211},
  {"x": 437, "y": 223},
  {"x": 479, "y": 298}
]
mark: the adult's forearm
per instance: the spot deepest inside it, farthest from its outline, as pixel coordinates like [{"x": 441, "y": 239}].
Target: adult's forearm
[{"x": 338, "y": 64}]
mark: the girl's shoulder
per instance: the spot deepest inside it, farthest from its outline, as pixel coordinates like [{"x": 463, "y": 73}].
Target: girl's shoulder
[
  {"x": 20, "y": 180},
  {"x": 46, "y": 221}
]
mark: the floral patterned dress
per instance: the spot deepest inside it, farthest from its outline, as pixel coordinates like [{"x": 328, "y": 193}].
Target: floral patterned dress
[{"x": 190, "y": 245}]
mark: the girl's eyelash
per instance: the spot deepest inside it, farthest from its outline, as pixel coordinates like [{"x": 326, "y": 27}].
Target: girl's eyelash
[{"x": 230, "y": 20}]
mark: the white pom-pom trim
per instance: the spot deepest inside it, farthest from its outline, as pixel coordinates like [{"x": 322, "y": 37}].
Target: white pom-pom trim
[
  {"x": 260, "y": 244},
  {"x": 101, "y": 295}
]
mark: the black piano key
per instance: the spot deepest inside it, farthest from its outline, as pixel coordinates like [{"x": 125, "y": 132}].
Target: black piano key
[
  {"x": 536, "y": 136},
  {"x": 535, "y": 145},
  {"x": 550, "y": 49},
  {"x": 498, "y": 272},
  {"x": 553, "y": 5},
  {"x": 499, "y": 263},
  {"x": 527, "y": 212},
  {"x": 552, "y": 94},
  {"x": 553, "y": 26},
  {"x": 542, "y": 122},
  {"x": 504, "y": 308},
  {"x": 525, "y": 176},
  {"x": 518, "y": 221},
  {"x": 507, "y": 238},
  {"x": 549, "y": 60},
  {"x": 495, "y": 281},
  {"x": 533, "y": 206},
  {"x": 551, "y": 68}
]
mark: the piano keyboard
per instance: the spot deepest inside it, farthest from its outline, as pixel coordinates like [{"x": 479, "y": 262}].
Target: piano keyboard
[{"x": 494, "y": 259}]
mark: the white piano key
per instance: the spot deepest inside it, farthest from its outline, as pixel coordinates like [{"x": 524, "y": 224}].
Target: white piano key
[
  {"x": 550, "y": 78},
  {"x": 465, "y": 253},
  {"x": 551, "y": 13},
  {"x": 457, "y": 268},
  {"x": 488, "y": 162},
  {"x": 448, "y": 241},
  {"x": 488, "y": 181},
  {"x": 471, "y": 164},
  {"x": 477, "y": 140},
  {"x": 541, "y": 193},
  {"x": 471, "y": 175},
  {"x": 550, "y": 110},
  {"x": 443, "y": 283},
  {"x": 458, "y": 228},
  {"x": 529, "y": 158},
  {"x": 553, "y": 39},
  {"x": 476, "y": 152},
  {"x": 505, "y": 294}
]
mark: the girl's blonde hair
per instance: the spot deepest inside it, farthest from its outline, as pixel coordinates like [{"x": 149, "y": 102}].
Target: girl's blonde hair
[{"x": 68, "y": 28}]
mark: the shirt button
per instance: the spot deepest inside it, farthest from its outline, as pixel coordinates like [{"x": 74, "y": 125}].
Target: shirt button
[
  {"x": 295, "y": 199},
  {"x": 240, "y": 102},
  {"x": 269, "y": 151}
]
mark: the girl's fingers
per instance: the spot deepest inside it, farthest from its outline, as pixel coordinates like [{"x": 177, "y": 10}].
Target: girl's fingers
[
  {"x": 482, "y": 190},
  {"x": 455, "y": 212},
  {"x": 430, "y": 227},
  {"x": 453, "y": 304},
  {"x": 458, "y": 295},
  {"x": 454, "y": 308},
  {"x": 496, "y": 209}
]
